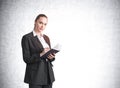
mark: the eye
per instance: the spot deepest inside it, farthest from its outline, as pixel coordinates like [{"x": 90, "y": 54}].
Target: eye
[
  {"x": 45, "y": 24},
  {"x": 40, "y": 22}
]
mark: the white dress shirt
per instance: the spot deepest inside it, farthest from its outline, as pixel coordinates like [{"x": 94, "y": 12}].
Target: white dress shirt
[{"x": 42, "y": 40}]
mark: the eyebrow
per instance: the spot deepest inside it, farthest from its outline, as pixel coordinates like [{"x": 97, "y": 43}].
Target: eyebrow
[{"x": 43, "y": 23}]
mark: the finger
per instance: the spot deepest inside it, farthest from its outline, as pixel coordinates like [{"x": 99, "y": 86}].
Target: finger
[{"x": 51, "y": 56}]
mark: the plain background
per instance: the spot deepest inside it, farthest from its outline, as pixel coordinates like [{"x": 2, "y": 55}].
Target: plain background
[{"x": 88, "y": 30}]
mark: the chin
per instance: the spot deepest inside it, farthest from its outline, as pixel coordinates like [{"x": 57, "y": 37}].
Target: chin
[{"x": 40, "y": 30}]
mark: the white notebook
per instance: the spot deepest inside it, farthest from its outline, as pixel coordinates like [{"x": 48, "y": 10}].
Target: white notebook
[{"x": 55, "y": 49}]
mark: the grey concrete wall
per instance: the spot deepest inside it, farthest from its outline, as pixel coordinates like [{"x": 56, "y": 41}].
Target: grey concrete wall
[{"x": 89, "y": 31}]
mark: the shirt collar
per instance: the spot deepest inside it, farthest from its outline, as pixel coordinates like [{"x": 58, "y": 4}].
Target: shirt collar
[{"x": 34, "y": 34}]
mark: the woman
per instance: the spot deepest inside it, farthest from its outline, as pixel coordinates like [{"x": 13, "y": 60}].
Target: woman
[{"x": 39, "y": 72}]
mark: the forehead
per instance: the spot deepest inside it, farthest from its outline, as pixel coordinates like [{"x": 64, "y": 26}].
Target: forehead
[{"x": 42, "y": 19}]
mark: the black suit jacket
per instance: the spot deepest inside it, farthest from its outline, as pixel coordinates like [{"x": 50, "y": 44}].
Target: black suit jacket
[{"x": 38, "y": 70}]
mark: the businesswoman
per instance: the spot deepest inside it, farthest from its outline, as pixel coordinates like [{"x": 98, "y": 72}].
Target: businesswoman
[{"x": 39, "y": 72}]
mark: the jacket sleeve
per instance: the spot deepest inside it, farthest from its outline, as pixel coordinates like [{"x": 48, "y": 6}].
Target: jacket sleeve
[{"x": 27, "y": 56}]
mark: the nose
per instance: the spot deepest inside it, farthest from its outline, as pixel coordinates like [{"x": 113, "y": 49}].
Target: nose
[{"x": 42, "y": 25}]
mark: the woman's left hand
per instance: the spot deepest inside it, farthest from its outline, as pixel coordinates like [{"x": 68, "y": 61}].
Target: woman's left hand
[{"x": 51, "y": 56}]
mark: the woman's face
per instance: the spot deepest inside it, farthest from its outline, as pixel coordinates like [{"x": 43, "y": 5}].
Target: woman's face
[{"x": 40, "y": 24}]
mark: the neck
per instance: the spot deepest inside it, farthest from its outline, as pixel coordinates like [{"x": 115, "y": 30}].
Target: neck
[{"x": 38, "y": 33}]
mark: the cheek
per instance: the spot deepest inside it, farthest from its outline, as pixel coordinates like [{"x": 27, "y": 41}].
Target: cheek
[
  {"x": 38, "y": 25},
  {"x": 44, "y": 26}
]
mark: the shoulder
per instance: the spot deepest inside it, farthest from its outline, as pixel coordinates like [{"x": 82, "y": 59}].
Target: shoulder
[{"x": 28, "y": 35}]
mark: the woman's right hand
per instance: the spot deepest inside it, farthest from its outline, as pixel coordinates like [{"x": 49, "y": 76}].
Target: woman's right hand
[{"x": 44, "y": 51}]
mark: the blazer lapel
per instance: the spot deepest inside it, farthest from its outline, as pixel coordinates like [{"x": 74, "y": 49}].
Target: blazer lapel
[
  {"x": 36, "y": 42},
  {"x": 47, "y": 40}
]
